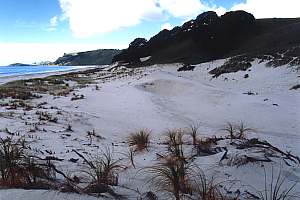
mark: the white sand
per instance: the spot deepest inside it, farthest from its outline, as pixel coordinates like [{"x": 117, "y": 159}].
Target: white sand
[{"x": 160, "y": 99}]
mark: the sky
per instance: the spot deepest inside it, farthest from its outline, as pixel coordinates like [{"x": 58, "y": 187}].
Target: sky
[{"x": 42, "y": 30}]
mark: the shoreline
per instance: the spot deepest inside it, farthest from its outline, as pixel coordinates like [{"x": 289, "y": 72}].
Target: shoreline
[{"x": 26, "y": 76}]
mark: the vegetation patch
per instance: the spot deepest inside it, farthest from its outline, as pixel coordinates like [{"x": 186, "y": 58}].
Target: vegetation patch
[
  {"x": 20, "y": 170},
  {"x": 289, "y": 57},
  {"x": 234, "y": 64},
  {"x": 55, "y": 85},
  {"x": 295, "y": 87}
]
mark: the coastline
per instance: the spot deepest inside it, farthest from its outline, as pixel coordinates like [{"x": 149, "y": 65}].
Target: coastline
[{"x": 9, "y": 78}]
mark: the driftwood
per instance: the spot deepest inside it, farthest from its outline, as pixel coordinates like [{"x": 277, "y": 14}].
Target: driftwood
[
  {"x": 255, "y": 143},
  {"x": 85, "y": 160},
  {"x": 255, "y": 159},
  {"x": 51, "y": 165}
]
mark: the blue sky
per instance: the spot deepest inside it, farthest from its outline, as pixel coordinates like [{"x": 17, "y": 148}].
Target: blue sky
[
  {"x": 29, "y": 21},
  {"x": 36, "y": 30}
]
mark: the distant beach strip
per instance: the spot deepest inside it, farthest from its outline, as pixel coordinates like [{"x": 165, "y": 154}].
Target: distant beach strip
[{"x": 11, "y": 73}]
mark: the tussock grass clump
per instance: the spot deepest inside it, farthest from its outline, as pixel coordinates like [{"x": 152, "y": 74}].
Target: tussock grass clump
[
  {"x": 10, "y": 158},
  {"x": 237, "y": 131},
  {"x": 140, "y": 139},
  {"x": 230, "y": 129},
  {"x": 171, "y": 175},
  {"x": 19, "y": 170},
  {"x": 193, "y": 132},
  {"x": 205, "y": 188},
  {"x": 174, "y": 140},
  {"x": 278, "y": 187},
  {"x": 103, "y": 172},
  {"x": 243, "y": 130}
]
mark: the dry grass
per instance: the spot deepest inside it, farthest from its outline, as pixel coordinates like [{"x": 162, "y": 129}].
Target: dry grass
[
  {"x": 278, "y": 188},
  {"x": 18, "y": 170},
  {"x": 175, "y": 142},
  {"x": 140, "y": 140},
  {"x": 205, "y": 188},
  {"x": 171, "y": 175},
  {"x": 103, "y": 169},
  {"x": 54, "y": 85},
  {"x": 193, "y": 132},
  {"x": 237, "y": 131},
  {"x": 103, "y": 172},
  {"x": 10, "y": 158},
  {"x": 242, "y": 130},
  {"x": 230, "y": 129}
]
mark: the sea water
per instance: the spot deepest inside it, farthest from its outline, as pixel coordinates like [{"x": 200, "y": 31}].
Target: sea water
[{"x": 6, "y": 71}]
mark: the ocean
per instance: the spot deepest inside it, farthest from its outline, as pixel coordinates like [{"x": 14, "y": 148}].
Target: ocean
[{"x": 6, "y": 71}]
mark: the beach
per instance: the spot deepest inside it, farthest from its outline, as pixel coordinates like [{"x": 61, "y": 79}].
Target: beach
[{"x": 56, "y": 114}]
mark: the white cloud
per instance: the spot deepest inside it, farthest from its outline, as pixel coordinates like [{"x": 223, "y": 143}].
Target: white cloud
[
  {"x": 167, "y": 26},
  {"x": 270, "y": 8},
  {"x": 182, "y": 8},
  {"x": 219, "y": 10},
  {"x": 53, "y": 21},
  {"x": 90, "y": 17},
  {"x": 37, "y": 52},
  {"x": 52, "y": 24},
  {"x": 188, "y": 8}
]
